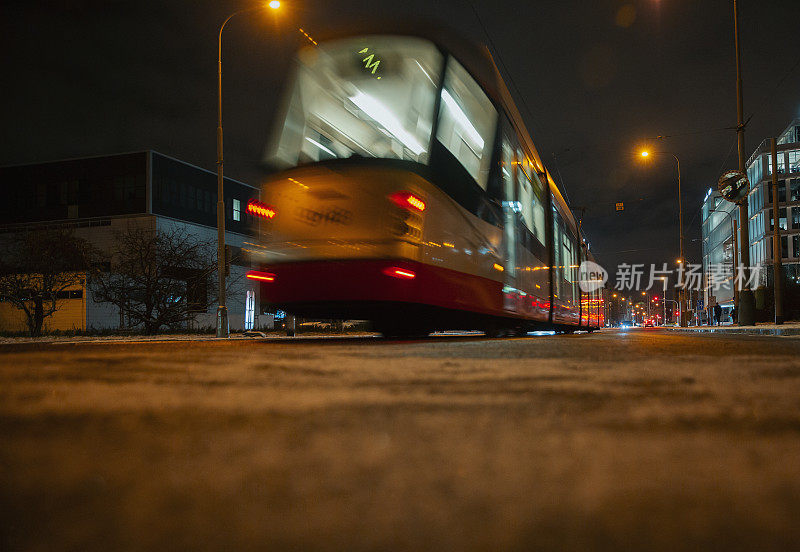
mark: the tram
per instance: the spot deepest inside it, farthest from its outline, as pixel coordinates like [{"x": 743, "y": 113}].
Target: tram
[{"x": 408, "y": 192}]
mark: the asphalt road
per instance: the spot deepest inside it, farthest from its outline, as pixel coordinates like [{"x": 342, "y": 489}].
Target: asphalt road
[{"x": 645, "y": 440}]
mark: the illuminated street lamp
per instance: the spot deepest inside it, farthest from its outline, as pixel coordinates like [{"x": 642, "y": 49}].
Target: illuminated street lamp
[
  {"x": 682, "y": 293},
  {"x": 222, "y": 311}
]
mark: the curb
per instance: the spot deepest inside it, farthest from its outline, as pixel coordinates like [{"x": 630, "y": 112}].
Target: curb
[{"x": 742, "y": 331}]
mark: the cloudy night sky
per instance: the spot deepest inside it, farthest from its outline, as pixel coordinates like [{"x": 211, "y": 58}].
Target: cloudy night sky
[{"x": 594, "y": 80}]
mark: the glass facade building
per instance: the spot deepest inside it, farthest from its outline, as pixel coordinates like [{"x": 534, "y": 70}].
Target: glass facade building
[
  {"x": 719, "y": 218},
  {"x": 718, "y": 214},
  {"x": 759, "y": 172}
]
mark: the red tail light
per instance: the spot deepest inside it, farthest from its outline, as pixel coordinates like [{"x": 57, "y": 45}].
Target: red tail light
[
  {"x": 259, "y": 209},
  {"x": 407, "y": 200},
  {"x": 263, "y": 276},
  {"x": 397, "y": 272}
]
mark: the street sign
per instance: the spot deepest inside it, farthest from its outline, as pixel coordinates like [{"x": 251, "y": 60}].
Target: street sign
[
  {"x": 734, "y": 186},
  {"x": 699, "y": 304},
  {"x": 620, "y": 207}
]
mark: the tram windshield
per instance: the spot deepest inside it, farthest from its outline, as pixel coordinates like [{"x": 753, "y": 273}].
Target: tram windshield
[{"x": 370, "y": 96}]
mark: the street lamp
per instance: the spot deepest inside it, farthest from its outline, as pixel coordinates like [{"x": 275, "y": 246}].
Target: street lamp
[
  {"x": 222, "y": 311},
  {"x": 682, "y": 292}
]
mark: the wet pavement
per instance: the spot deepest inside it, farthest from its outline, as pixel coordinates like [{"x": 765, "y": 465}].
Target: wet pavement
[{"x": 646, "y": 439}]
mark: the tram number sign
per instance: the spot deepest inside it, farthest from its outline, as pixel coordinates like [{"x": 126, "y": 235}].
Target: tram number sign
[
  {"x": 734, "y": 186},
  {"x": 371, "y": 63},
  {"x": 620, "y": 207}
]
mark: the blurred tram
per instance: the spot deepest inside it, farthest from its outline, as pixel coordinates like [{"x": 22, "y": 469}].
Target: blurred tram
[{"x": 410, "y": 194}]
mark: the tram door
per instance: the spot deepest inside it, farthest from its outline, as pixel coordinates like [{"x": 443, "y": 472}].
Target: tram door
[{"x": 510, "y": 209}]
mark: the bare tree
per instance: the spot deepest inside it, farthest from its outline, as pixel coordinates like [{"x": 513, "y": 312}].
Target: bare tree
[
  {"x": 157, "y": 278},
  {"x": 36, "y": 268}
]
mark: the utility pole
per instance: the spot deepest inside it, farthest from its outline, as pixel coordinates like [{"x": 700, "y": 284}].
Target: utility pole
[
  {"x": 735, "y": 257},
  {"x": 747, "y": 305},
  {"x": 777, "y": 254}
]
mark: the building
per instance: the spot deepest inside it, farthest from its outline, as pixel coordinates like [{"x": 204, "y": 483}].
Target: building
[
  {"x": 719, "y": 216},
  {"x": 720, "y": 223},
  {"x": 759, "y": 172},
  {"x": 99, "y": 196}
]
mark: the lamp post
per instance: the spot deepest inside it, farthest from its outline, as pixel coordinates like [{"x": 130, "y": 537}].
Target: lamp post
[
  {"x": 747, "y": 307},
  {"x": 223, "y": 329},
  {"x": 665, "y": 306},
  {"x": 681, "y": 292}
]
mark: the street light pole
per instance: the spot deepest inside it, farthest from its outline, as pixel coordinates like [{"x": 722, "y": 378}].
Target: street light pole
[
  {"x": 747, "y": 305},
  {"x": 777, "y": 253},
  {"x": 681, "y": 260},
  {"x": 223, "y": 329}
]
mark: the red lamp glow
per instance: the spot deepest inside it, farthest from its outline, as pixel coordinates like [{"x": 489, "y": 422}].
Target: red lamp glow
[
  {"x": 407, "y": 200},
  {"x": 255, "y": 207},
  {"x": 401, "y": 273},
  {"x": 263, "y": 276}
]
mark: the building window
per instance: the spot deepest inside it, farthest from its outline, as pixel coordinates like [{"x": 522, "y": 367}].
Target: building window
[
  {"x": 794, "y": 160},
  {"x": 467, "y": 121},
  {"x": 796, "y": 218},
  {"x": 784, "y": 246},
  {"x": 781, "y": 163},
  {"x": 782, "y": 220},
  {"x": 237, "y": 209},
  {"x": 795, "y": 189},
  {"x": 796, "y": 245}
]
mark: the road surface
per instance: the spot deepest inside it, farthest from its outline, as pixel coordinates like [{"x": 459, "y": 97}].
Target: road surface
[{"x": 639, "y": 440}]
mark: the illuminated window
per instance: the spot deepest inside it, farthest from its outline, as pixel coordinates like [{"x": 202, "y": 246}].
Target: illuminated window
[
  {"x": 237, "y": 209},
  {"x": 467, "y": 121},
  {"x": 781, "y": 163},
  {"x": 370, "y": 96},
  {"x": 531, "y": 196},
  {"x": 794, "y": 160}
]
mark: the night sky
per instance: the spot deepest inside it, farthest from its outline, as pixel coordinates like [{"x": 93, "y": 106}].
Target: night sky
[{"x": 599, "y": 78}]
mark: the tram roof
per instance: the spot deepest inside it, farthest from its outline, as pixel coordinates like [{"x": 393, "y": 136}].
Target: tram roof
[{"x": 475, "y": 57}]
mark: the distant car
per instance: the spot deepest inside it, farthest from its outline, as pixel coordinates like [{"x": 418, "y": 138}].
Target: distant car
[
  {"x": 626, "y": 324},
  {"x": 649, "y": 324}
]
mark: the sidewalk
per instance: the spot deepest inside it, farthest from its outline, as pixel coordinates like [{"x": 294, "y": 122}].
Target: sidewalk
[{"x": 762, "y": 328}]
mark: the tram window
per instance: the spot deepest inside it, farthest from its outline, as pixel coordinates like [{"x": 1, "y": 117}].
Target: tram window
[
  {"x": 507, "y": 170},
  {"x": 467, "y": 121},
  {"x": 538, "y": 208},
  {"x": 370, "y": 96},
  {"x": 532, "y": 190},
  {"x": 526, "y": 200}
]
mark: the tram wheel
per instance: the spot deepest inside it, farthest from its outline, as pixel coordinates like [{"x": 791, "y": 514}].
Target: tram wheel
[{"x": 492, "y": 332}]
